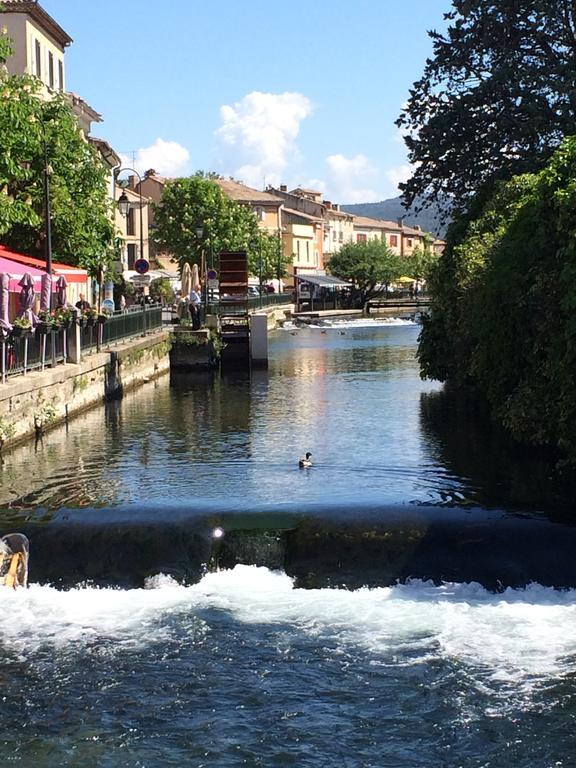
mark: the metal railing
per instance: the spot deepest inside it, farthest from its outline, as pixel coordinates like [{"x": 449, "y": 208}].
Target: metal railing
[
  {"x": 254, "y": 303},
  {"x": 33, "y": 351}
]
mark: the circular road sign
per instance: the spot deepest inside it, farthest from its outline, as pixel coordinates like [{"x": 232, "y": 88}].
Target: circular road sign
[
  {"x": 211, "y": 274},
  {"x": 141, "y": 266}
]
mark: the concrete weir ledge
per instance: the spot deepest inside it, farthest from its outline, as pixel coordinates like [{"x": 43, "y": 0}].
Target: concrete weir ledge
[{"x": 319, "y": 546}]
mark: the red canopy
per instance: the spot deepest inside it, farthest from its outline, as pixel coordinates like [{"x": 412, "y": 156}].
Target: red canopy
[{"x": 21, "y": 264}]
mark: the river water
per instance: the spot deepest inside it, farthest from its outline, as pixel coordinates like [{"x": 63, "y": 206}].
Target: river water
[{"x": 244, "y": 667}]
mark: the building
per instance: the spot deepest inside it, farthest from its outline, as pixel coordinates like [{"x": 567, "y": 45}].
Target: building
[
  {"x": 338, "y": 229},
  {"x": 39, "y": 43},
  {"x": 400, "y": 238},
  {"x": 266, "y": 207}
]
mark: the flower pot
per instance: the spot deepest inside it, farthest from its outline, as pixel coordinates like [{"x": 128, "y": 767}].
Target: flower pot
[
  {"x": 43, "y": 327},
  {"x": 18, "y": 330},
  {"x": 101, "y": 319},
  {"x": 89, "y": 322}
]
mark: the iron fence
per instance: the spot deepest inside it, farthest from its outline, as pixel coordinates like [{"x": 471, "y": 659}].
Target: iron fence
[{"x": 32, "y": 351}]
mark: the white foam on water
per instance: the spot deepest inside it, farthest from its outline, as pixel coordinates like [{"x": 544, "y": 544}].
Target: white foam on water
[{"x": 519, "y": 636}]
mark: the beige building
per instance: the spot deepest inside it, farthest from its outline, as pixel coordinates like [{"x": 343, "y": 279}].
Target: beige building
[
  {"x": 266, "y": 207},
  {"x": 401, "y": 239},
  {"x": 338, "y": 229},
  {"x": 133, "y": 227},
  {"x": 39, "y": 43}
]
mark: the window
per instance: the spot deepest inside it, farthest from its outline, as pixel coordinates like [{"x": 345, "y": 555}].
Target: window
[
  {"x": 50, "y": 70},
  {"x": 409, "y": 242},
  {"x": 60, "y": 75},
  {"x": 298, "y": 249},
  {"x": 307, "y": 251},
  {"x": 38, "y": 62},
  {"x": 394, "y": 241},
  {"x": 131, "y": 248},
  {"x": 340, "y": 237},
  {"x": 361, "y": 238},
  {"x": 130, "y": 222}
]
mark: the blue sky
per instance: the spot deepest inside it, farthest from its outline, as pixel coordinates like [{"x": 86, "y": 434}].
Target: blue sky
[{"x": 301, "y": 93}]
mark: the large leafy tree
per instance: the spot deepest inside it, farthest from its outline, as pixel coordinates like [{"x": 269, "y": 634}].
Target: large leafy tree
[
  {"x": 194, "y": 203},
  {"x": 503, "y": 317},
  {"x": 34, "y": 135},
  {"x": 371, "y": 266},
  {"x": 495, "y": 99}
]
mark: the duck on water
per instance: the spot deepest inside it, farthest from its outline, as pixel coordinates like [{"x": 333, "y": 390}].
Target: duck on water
[{"x": 305, "y": 462}]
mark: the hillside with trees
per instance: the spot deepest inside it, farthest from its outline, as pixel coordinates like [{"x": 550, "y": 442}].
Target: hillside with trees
[{"x": 429, "y": 218}]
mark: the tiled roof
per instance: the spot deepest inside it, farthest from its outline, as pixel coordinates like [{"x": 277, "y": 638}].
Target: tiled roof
[
  {"x": 243, "y": 194},
  {"x": 367, "y": 223},
  {"x": 294, "y": 212},
  {"x": 43, "y": 19}
]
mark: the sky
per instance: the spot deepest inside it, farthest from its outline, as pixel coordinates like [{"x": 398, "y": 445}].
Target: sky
[{"x": 303, "y": 94}]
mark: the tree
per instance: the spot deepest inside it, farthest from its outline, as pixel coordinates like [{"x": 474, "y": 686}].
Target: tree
[
  {"x": 495, "y": 99},
  {"x": 503, "y": 314},
  {"x": 265, "y": 256},
  {"x": 420, "y": 262},
  {"x": 197, "y": 201},
  {"x": 35, "y": 134},
  {"x": 371, "y": 266}
]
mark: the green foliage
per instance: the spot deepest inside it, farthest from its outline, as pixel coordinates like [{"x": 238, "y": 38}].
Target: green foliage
[
  {"x": 504, "y": 299},
  {"x": 198, "y": 201},
  {"x": 35, "y": 134},
  {"x": 161, "y": 290},
  {"x": 420, "y": 263},
  {"x": 265, "y": 255},
  {"x": 494, "y": 100},
  {"x": 371, "y": 266}
]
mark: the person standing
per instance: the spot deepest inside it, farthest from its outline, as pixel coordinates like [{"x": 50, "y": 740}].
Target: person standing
[
  {"x": 82, "y": 305},
  {"x": 194, "y": 303}
]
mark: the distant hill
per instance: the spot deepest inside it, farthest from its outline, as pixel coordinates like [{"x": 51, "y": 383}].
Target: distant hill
[{"x": 392, "y": 209}]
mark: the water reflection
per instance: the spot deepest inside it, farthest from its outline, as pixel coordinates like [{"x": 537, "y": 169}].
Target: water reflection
[
  {"x": 377, "y": 432},
  {"x": 497, "y": 471}
]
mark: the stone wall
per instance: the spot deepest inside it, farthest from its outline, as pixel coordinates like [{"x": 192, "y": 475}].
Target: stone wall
[{"x": 32, "y": 403}]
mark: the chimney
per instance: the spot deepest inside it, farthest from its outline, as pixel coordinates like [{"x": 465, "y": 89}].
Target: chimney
[
  {"x": 283, "y": 188},
  {"x": 401, "y": 221}
]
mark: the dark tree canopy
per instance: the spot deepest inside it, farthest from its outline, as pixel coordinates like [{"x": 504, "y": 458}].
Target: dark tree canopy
[{"x": 495, "y": 99}]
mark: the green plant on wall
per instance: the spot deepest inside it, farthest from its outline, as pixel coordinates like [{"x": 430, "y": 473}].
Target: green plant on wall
[{"x": 7, "y": 430}]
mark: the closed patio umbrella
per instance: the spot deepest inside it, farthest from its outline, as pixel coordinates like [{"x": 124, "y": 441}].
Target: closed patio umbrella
[
  {"x": 61, "y": 287},
  {"x": 186, "y": 280},
  {"x": 27, "y": 297},
  {"x": 4, "y": 300},
  {"x": 195, "y": 278}
]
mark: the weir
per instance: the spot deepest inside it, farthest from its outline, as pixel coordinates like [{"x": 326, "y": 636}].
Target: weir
[{"x": 325, "y": 546}]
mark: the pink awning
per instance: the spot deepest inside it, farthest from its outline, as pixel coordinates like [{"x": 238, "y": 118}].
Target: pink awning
[{"x": 17, "y": 271}]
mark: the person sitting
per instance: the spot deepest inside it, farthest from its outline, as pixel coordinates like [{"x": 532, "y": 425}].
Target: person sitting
[
  {"x": 14, "y": 550},
  {"x": 82, "y": 305}
]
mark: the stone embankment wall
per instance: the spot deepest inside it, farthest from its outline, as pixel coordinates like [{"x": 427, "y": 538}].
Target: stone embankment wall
[{"x": 32, "y": 403}]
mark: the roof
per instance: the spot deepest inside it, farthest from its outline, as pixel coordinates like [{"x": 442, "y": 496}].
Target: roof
[
  {"x": 43, "y": 19},
  {"x": 73, "y": 274},
  {"x": 77, "y": 102},
  {"x": 324, "y": 281},
  {"x": 299, "y": 214},
  {"x": 413, "y": 231},
  {"x": 366, "y": 222},
  {"x": 106, "y": 152},
  {"x": 243, "y": 194}
]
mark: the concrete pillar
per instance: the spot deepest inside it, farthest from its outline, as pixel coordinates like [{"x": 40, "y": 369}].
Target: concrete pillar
[
  {"x": 74, "y": 345},
  {"x": 259, "y": 340}
]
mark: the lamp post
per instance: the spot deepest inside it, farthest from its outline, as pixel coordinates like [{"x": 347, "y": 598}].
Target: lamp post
[
  {"x": 199, "y": 236},
  {"x": 124, "y": 208}
]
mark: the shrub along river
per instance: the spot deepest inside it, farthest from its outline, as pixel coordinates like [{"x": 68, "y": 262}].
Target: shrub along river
[{"x": 407, "y": 602}]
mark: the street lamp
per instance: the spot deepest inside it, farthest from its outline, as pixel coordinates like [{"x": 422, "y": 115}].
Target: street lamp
[{"x": 124, "y": 208}]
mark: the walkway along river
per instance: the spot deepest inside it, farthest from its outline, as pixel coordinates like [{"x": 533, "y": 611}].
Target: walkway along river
[{"x": 299, "y": 647}]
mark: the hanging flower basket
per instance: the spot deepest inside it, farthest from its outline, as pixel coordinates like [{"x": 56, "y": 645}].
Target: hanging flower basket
[
  {"x": 43, "y": 327},
  {"x": 20, "y": 330}
]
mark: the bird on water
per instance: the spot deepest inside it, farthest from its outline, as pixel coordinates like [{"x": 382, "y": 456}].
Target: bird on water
[{"x": 305, "y": 462}]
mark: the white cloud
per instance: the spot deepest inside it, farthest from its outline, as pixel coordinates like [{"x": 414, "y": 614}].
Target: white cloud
[
  {"x": 399, "y": 174},
  {"x": 352, "y": 180},
  {"x": 167, "y": 158},
  {"x": 257, "y": 138}
]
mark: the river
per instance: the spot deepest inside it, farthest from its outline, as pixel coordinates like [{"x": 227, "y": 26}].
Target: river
[{"x": 329, "y": 659}]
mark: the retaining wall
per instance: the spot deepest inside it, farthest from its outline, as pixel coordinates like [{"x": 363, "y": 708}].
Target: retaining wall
[{"x": 40, "y": 399}]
